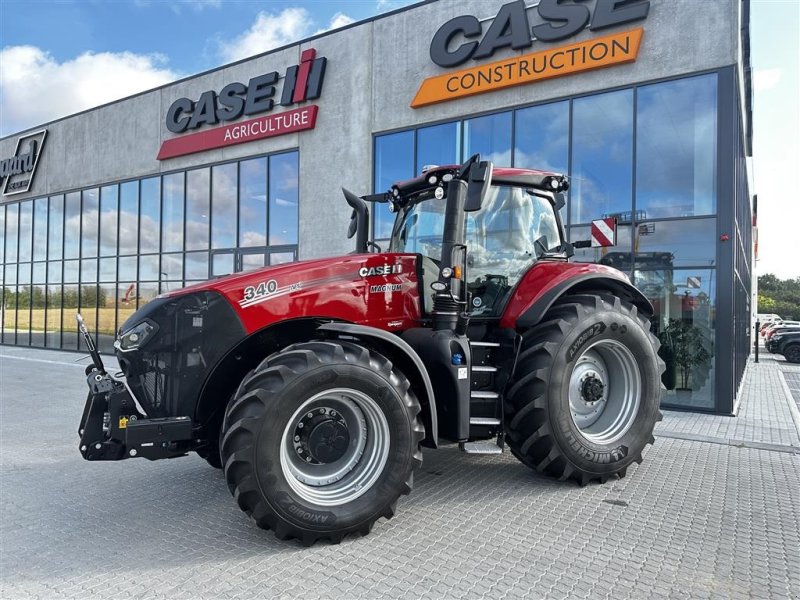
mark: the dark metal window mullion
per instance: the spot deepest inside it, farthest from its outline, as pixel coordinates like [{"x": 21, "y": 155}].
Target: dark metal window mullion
[
  {"x": 185, "y": 220},
  {"x": 116, "y": 263},
  {"x": 569, "y": 167},
  {"x": 268, "y": 174},
  {"x": 160, "y": 229},
  {"x": 211, "y": 221},
  {"x": 46, "y": 264},
  {"x": 137, "y": 276},
  {"x": 634, "y": 223}
]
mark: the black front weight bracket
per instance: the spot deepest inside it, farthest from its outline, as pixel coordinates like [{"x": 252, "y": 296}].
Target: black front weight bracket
[{"x": 112, "y": 428}]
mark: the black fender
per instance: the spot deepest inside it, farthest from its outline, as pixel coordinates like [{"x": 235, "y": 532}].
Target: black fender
[
  {"x": 587, "y": 283},
  {"x": 406, "y": 359}
]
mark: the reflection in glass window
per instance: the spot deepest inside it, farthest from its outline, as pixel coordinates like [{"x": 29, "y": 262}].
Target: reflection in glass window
[
  {"x": 196, "y": 266},
  {"x": 9, "y": 313},
  {"x": 676, "y": 135},
  {"x": 150, "y": 210},
  {"x": 172, "y": 267},
  {"x": 684, "y": 302},
  {"x": 126, "y": 301},
  {"x": 38, "y": 314},
  {"x": 56, "y": 228},
  {"x": 222, "y": 264},
  {"x": 25, "y": 231},
  {"x": 127, "y": 268},
  {"x": 618, "y": 256},
  {"x": 438, "y": 145},
  {"x": 39, "y": 272},
  {"x": 108, "y": 269},
  {"x": 253, "y": 203},
  {"x": 72, "y": 225},
  {"x": 197, "y": 209},
  {"x": 147, "y": 291},
  {"x": 68, "y": 324},
  {"x": 491, "y": 137},
  {"x": 12, "y": 233},
  {"x": 89, "y": 270},
  {"x": 87, "y": 306},
  {"x": 108, "y": 220},
  {"x": 2, "y": 236},
  {"x": 542, "y": 137},
  {"x": 223, "y": 208},
  {"x": 253, "y": 260},
  {"x": 394, "y": 161},
  {"x": 283, "y": 199},
  {"x": 72, "y": 270},
  {"x": 172, "y": 213},
  {"x": 10, "y": 276},
  {"x": 106, "y": 317},
  {"x": 148, "y": 268},
  {"x": 602, "y": 151},
  {"x": 23, "y": 315},
  {"x": 90, "y": 219},
  {"x": 129, "y": 218},
  {"x": 689, "y": 242},
  {"x": 24, "y": 273},
  {"x": 54, "y": 271},
  {"x": 40, "y": 229},
  {"x": 279, "y": 258},
  {"x": 53, "y": 323}
]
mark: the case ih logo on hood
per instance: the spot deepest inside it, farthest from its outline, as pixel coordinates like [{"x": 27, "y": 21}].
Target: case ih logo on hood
[
  {"x": 381, "y": 270},
  {"x": 463, "y": 38},
  {"x": 16, "y": 172},
  {"x": 301, "y": 83}
]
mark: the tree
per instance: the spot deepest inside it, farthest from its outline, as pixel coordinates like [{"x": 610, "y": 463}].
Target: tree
[{"x": 779, "y": 296}]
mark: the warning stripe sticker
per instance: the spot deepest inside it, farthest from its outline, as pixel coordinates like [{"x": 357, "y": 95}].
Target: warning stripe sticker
[{"x": 604, "y": 232}]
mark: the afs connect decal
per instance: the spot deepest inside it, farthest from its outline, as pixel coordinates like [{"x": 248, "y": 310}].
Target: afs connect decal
[{"x": 255, "y": 294}]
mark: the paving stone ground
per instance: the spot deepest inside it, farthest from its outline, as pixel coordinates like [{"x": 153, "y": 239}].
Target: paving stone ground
[{"x": 702, "y": 517}]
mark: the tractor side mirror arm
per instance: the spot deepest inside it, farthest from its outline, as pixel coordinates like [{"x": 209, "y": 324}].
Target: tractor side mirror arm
[{"x": 359, "y": 221}]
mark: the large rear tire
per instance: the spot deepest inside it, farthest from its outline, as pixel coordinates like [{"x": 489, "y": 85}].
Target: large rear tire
[
  {"x": 321, "y": 440},
  {"x": 585, "y": 394}
]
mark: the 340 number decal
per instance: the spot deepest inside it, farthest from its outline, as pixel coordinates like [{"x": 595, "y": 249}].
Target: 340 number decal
[{"x": 265, "y": 288}]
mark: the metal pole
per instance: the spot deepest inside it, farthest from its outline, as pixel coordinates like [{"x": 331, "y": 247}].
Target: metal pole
[{"x": 755, "y": 339}]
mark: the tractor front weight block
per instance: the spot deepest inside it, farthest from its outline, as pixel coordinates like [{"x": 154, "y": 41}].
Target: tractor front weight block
[{"x": 113, "y": 429}]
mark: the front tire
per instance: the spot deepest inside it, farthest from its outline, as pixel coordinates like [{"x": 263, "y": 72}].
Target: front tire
[
  {"x": 792, "y": 353},
  {"x": 320, "y": 441},
  {"x": 585, "y": 395}
]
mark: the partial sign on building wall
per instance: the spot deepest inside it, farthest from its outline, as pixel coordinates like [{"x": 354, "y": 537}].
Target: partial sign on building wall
[
  {"x": 301, "y": 83},
  {"x": 463, "y": 38},
  {"x": 17, "y": 171}
]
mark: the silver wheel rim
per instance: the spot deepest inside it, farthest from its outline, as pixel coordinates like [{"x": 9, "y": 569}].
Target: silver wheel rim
[
  {"x": 605, "y": 391},
  {"x": 335, "y": 447}
]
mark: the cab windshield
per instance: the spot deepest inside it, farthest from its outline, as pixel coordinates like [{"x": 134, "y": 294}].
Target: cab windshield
[{"x": 513, "y": 228}]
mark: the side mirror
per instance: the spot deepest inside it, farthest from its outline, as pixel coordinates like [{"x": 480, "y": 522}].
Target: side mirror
[
  {"x": 359, "y": 220},
  {"x": 479, "y": 178}
]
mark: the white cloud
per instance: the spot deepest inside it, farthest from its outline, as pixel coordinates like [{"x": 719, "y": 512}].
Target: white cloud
[
  {"x": 766, "y": 79},
  {"x": 35, "y": 88},
  {"x": 268, "y": 31},
  {"x": 273, "y": 30},
  {"x": 338, "y": 20}
]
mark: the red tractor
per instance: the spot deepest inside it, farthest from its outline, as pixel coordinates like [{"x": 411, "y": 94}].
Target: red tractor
[{"x": 314, "y": 385}]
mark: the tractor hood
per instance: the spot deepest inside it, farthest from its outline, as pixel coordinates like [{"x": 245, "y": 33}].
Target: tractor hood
[{"x": 380, "y": 290}]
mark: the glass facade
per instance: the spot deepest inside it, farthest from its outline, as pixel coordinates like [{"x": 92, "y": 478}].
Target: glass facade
[
  {"x": 106, "y": 251},
  {"x": 647, "y": 155}
]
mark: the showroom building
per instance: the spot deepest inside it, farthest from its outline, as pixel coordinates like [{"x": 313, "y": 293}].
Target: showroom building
[{"x": 644, "y": 104}]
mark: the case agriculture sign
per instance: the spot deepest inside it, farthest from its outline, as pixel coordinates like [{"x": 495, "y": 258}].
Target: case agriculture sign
[
  {"x": 16, "y": 172},
  {"x": 301, "y": 83},
  {"x": 511, "y": 29}
]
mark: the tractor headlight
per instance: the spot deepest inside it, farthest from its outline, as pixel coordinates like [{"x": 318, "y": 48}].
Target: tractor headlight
[{"x": 136, "y": 336}]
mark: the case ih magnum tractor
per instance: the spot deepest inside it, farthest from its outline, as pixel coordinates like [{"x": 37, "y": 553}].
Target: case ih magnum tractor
[{"x": 314, "y": 385}]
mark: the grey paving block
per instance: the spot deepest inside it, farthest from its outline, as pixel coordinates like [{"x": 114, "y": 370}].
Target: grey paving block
[{"x": 695, "y": 520}]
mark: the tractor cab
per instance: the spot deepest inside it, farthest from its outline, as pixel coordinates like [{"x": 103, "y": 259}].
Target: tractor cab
[{"x": 510, "y": 221}]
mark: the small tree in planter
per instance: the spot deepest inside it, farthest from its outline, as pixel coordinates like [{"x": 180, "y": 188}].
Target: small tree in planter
[{"x": 687, "y": 347}]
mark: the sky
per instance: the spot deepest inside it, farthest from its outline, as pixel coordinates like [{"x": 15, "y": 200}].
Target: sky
[{"x": 61, "y": 57}]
